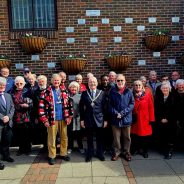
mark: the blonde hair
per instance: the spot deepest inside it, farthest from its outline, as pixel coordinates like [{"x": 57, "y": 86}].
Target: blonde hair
[{"x": 138, "y": 82}]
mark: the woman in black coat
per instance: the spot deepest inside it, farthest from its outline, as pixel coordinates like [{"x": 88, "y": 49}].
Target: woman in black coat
[{"x": 166, "y": 117}]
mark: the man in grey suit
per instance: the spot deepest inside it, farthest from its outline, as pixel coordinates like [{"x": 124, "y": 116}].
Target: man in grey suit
[{"x": 6, "y": 123}]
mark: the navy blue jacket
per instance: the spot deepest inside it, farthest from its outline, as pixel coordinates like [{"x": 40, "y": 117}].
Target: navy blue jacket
[
  {"x": 93, "y": 116},
  {"x": 123, "y": 104}
]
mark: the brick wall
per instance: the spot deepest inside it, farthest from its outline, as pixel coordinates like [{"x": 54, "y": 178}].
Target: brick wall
[{"x": 69, "y": 11}]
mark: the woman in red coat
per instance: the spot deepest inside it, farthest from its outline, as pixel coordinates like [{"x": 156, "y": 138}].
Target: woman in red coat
[{"x": 143, "y": 115}]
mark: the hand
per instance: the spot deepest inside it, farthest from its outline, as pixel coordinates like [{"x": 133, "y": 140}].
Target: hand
[
  {"x": 24, "y": 105},
  {"x": 5, "y": 119},
  {"x": 119, "y": 116},
  {"x": 47, "y": 124},
  {"x": 164, "y": 121},
  {"x": 105, "y": 124},
  {"x": 82, "y": 124}
]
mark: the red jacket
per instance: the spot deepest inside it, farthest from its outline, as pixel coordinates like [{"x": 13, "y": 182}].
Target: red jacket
[{"x": 145, "y": 114}]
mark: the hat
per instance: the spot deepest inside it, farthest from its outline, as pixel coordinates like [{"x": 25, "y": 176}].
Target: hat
[{"x": 26, "y": 70}]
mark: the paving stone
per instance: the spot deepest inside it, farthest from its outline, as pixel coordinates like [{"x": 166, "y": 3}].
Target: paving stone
[
  {"x": 177, "y": 165},
  {"x": 150, "y": 168}
]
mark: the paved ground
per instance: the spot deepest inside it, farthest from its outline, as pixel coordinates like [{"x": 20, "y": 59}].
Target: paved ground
[{"x": 35, "y": 169}]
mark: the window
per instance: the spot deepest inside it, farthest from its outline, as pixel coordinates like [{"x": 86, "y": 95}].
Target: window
[{"x": 33, "y": 14}]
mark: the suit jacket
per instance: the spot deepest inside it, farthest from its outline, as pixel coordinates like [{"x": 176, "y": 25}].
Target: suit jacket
[
  {"x": 8, "y": 110},
  {"x": 93, "y": 115}
]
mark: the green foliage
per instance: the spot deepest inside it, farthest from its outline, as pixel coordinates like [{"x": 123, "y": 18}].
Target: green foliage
[
  {"x": 3, "y": 57},
  {"x": 72, "y": 56},
  {"x": 160, "y": 32},
  {"x": 120, "y": 53}
]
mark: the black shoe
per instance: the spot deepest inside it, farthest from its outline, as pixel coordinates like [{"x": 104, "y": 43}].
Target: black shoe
[
  {"x": 52, "y": 161},
  {"x": 65, "y": 158},
  {"x": 1, "y": 166},
  {"x": 88, "y": 159},
  {"x": 168, "y": 156},
  {"x": 145, "y": 154},
  {"x": 101, "y": 157},
  {"x": 9, "y": 159}
]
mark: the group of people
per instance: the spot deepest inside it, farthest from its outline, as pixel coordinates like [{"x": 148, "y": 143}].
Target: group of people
[{"x": 123, "y": 119}]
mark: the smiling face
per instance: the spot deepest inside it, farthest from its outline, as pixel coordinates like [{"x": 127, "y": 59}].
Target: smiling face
[
  {"x": 92, "y": 83},
  {"x": 165, "y": 90},
  {"x": 73, "y": 89},
  {"x": 5, "y": 72},
  {"x": 138, "y": 86},
  {"x": 19, "y": 84},
  {"x": 120, "y": 81},
  {"x": 56, "y": 81}
]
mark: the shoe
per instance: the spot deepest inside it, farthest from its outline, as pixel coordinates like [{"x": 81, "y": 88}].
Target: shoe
[
  {"x": 19, "y": 153},
  {"x": 1, "y": 166},
  {"x": 168, "y": 156},
  {"x": 9, "y": 159},
  {"x": 128, "y": 156},
  {"x": 82, "y": 151},
  {"x": 88, "y": 159},
  {"x": 65, "y": 158},
  {"x": 52, "y": 161},
  {"x": 101, "y": 157},
  {"x": 115, "y": 157},
  {"x": 69, "y": 151},
  {"x": 145, "y": 154}
]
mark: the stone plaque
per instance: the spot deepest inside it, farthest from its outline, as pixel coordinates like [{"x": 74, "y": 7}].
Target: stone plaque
[
  {"x": 117, "y": 28},
  {"x": 128, "y": 20},
  {"x": 140, "y": 28},
  {"x": 141, "y": 62},
  {"x": 71, "y": 77},
  {"x": 93, "y": 39},
  {"x": 35, "y": 57},
  {"x": 156, "y": 54},
  {"x": 69, "y": 29},
  {"x": 117, "y": 39},
  {"x": 51, "y": 65},
  {"x": 70, "y": 40},
  {"x": 19, "y": 66},
  {"x": 81, "y": 21},
  {"x": 105, "y": 21},
  {"x": 175, "y": 38},
  {"x": 175, "y": 19},
  {"x": 171, "y": 61},
  {"x": 152, "y": 19},
  {"x": 92, "y": 12},
  {"x": 93, "y": 29}
]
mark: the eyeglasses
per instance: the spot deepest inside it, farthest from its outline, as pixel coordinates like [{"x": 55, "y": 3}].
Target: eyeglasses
[
  {"x": 19, "y": 83},
  {"x": 165, "y": 79},
  {"x": 120, "y": 80},
  {"x": 137, "y": 85}
]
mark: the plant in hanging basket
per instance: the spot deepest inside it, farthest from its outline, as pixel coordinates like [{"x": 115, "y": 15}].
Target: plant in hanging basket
[
  {"x": 4, "y": 61},
  {"x": 158, "y": 39},
  {"x": 32, "y": 44},
  {"x": 73, "y": 64},
  {"x": 119, "y": 61}
]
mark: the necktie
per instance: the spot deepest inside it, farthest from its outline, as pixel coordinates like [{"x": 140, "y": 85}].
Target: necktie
[
  {"x": 93, "y": 94},
  {"x": 2, "y": 100}
]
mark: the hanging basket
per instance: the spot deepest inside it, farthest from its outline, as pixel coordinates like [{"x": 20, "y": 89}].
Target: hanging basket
[
  {"x": 5, "y": 63},
  {"x": 119, "y": 62},
  {"x": 34, "y": 44},
  {"x": 157, "y": 42},
  {"x": 73, "y": 66}
]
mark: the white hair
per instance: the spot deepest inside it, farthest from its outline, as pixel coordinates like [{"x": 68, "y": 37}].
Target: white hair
[
  {"x": 40, "y": 77},
  {"x": 112, "y": 73},
  {"x": 179, "y": 81},
  {"x": 142, "y": 78},
  {"x": 166, "y": 84},
  {"x": 75, "y": 84},
  {"x": 20, "y": 78},
  {"x": 3, "y": 80},
  {"x": 78, "y": 76},
  {"x": 152, "y": 72}
]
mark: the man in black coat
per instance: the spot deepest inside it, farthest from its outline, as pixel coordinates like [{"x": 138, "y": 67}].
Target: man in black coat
[
  {"x": 93, "y": 117},
  {"x": 6, "y": 115}
]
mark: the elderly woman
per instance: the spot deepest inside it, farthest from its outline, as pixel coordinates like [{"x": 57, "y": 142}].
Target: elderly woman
[
  {"x": 179, "y": 106},
  {"x": 23, "y": 105},
  {"x": 82, "y": 87},
  {"x": 74, "y": 130},
  {"x": 165, "y": 107},
  {"x": 143, "y": 114}
]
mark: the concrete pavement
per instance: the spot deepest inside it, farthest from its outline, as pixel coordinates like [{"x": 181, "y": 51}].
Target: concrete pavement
[{"x": 35, "y": 169}]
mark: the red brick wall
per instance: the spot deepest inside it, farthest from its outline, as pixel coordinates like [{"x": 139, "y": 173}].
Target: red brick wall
[{"x": 69, "y": 11}]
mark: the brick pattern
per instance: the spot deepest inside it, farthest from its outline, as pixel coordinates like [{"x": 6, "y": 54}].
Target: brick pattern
[{"x": 116, "y": 11}]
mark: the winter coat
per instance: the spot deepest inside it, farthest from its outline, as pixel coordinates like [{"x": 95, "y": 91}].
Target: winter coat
[
  {"x": 144, "y": 109},
  {"x": 123, "y": 104}
]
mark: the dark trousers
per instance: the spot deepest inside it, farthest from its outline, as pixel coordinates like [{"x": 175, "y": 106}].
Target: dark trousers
[
  {"x": 6, "y": 141},
  {"x": 74, "y": 135},
  {"x": 23, "y": 136},
  {"x": 140, "y": 143},
  {"x": 99, "y": 141},
  {"x": 108, "y": 139}
]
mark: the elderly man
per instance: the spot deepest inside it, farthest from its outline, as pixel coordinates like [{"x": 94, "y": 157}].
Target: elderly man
[
  {"x": 93, "y": 117},
  {"x": 121, "y": 104},
  {"x": 112, "y": 79},
  {"x": 5, "y": 72},
  {"x": 56, "y": 111},
  {"x": 6, "y": 123},
  {"x": 174, "y": 77},
  {"x": 63, "y": 79}
]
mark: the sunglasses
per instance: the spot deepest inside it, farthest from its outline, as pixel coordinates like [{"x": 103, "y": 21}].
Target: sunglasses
[
  {"x": 120, "y": 80},
  {"x": 19, "y": 83}
]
